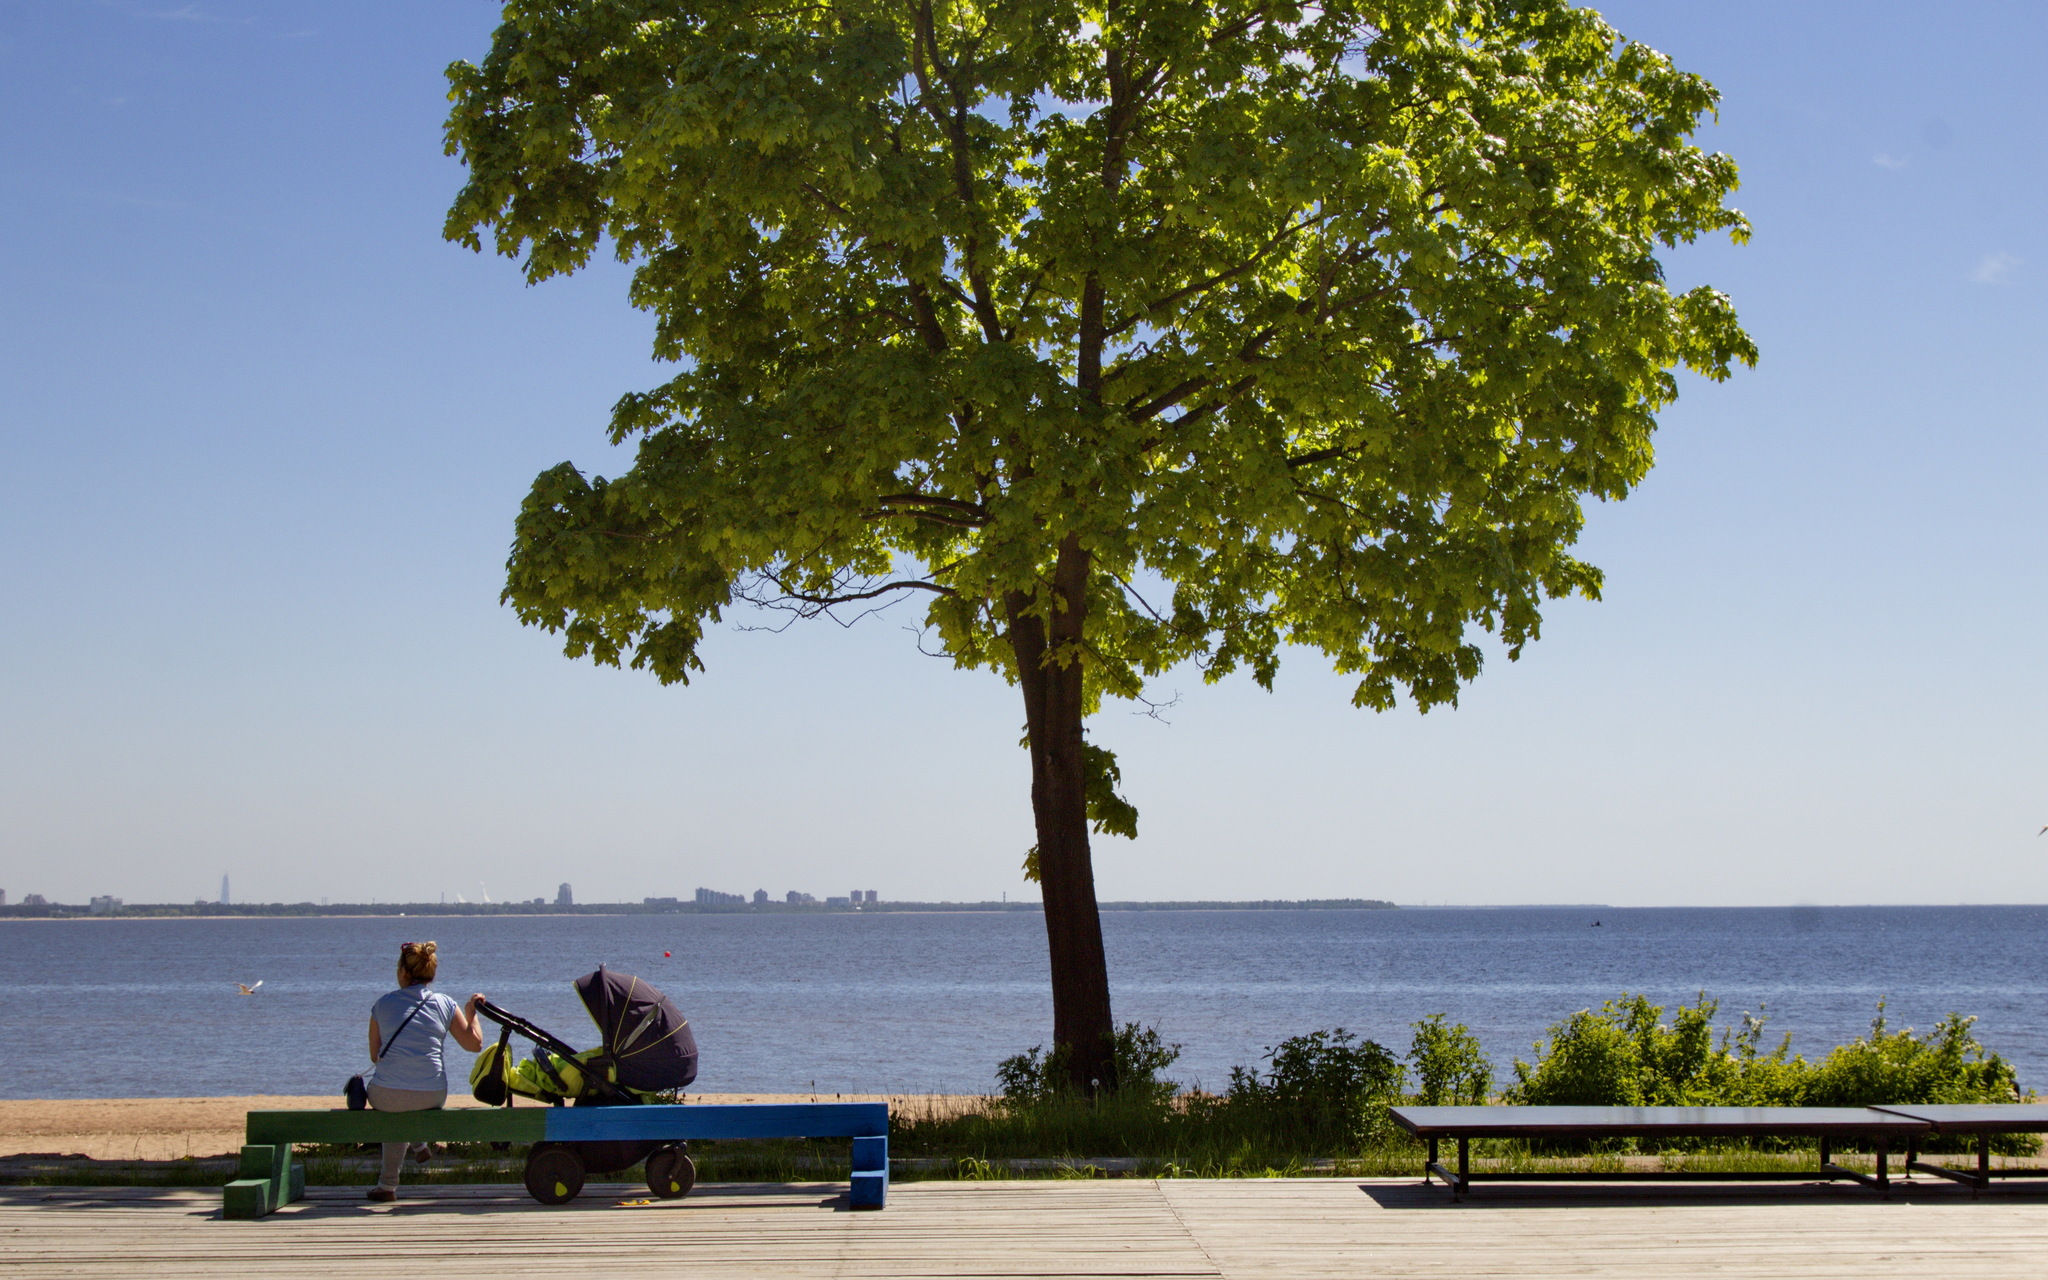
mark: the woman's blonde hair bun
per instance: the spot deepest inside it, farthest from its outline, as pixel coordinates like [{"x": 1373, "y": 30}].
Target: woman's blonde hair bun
[{"x": 417, "y": 961}]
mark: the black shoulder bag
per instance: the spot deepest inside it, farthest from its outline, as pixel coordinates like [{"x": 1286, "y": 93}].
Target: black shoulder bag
[{"x": 356, "y": 1091}]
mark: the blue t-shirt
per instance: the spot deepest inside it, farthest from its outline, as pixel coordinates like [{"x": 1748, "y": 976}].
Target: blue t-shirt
[{"x": 413, "y": 1059}]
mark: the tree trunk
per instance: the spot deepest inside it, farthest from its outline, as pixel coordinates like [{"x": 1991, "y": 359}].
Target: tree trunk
[{"x": 1050, "y": 671}]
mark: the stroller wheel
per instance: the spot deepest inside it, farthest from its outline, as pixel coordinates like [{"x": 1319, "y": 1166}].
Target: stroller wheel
[
  {"x": 671, "y": 1173},
  {"x": 554, "y": 1173}
]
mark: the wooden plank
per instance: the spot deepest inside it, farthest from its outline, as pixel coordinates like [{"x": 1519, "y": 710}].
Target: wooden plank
[
  {"x": 505, "y": 1124},
  {"x": 575, "y": 1124},
  {"x": 1252, "y": 1229},
  {"x": 760, "y": 1120},
  {"x": 1981, "y": 1117},
  {"x": 1648, "y": 1122}
]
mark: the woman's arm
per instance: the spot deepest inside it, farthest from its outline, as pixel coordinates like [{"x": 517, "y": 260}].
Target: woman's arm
[
  {"x": 376, "y": 1041},
  {"x": 464, "y": 1028}
]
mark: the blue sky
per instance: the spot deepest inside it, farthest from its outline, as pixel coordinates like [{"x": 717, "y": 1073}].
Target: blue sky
[{"x": 262, "y": 433}]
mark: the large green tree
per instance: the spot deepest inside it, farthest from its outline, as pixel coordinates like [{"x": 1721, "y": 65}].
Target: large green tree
[{"x": 1124, "y": 333}]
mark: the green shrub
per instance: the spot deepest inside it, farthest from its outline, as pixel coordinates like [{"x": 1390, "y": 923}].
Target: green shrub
[
  {"x": 1627, "y": 1055},
  {"x": 1035, "y": 1077},
  {"x": 1327, "y": 1090},
  {"x": 1948, "y": 1066},
  {"x": 1450, "y": 1067}
]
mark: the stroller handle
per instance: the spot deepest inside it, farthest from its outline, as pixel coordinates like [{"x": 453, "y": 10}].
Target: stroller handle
[{"x": 506, "y": 1018}]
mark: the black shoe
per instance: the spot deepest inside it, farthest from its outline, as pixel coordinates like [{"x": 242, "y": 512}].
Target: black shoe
[{"x": 382, "y": 1195}]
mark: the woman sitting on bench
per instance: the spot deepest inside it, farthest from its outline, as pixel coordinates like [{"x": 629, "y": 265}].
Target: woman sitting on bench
[{"x": 407, "y": 1072}]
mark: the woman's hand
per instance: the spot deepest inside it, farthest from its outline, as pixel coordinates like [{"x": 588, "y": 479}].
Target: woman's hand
[
  {"x": 474, "y": 1001},
  {"x": 464, "y": 1026}
]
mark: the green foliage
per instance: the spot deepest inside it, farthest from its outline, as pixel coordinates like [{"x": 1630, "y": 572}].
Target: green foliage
[
  {"x": 1329, "y": 316},
  {"x": 1035, "y": 1077},
  {"x": 1626, "y": 1055},
  {"x": 1323, "y": 1089},
  {"x": 1946, "y": 1066},
  {"x": 1450, "y": 1067}
]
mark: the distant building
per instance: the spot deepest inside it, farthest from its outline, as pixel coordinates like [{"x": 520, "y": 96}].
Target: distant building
[
  {"x": 34, "y": 900},
  {"x": 224, "y": 899},
  {"x": 3, "y": 897},
  {"x": 795, "y": 899},
  {"x": 662, "y": 902},
  {"x": 873, "y": 897},
  {"x": 104, "y": 905},
  {"x": 760, "y": 898},
  {"x": 713, "y": 898},
  {"x": 563, "y": 898},
  {"x": 839, "y": 902}
]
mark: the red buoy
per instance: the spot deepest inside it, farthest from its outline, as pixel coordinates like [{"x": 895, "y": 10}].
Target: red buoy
[{"x": 664, "y": 955}]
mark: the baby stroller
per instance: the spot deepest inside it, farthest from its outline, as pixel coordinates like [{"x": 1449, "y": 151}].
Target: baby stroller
[{"x": 647, "y": 1053}]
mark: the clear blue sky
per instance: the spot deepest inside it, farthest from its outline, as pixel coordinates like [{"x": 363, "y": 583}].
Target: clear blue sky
[{"x": 262, "y": 434}]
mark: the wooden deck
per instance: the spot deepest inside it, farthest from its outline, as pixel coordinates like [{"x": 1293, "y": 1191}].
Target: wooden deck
[{"x": 1302, "y": 1228}]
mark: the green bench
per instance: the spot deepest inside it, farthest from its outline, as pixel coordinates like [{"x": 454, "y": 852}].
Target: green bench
[{"x": 271, "y": 1179}]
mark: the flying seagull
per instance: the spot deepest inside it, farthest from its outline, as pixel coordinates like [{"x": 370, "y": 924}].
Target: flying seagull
[{"x": 248, "y": 990}]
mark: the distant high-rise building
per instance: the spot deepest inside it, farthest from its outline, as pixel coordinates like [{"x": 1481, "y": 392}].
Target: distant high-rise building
[
  {"x": 3, "y": 897},
  {"x": 563, "y": 898},
  {"x": 760, "y": 898},
  {"x": 224, "y": 888},
  {"x": 34, "y": 900},
  {"x": 795, "y": 899},
  {"x": 839, "y": 902},
  {"x": 713, "y": 898},
  {"x": 104, "y": 905},
  {"x": 873, "y": 897}
]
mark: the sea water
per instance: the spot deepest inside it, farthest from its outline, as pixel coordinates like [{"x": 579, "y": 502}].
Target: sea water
[{"x": 930, "y": 1002}]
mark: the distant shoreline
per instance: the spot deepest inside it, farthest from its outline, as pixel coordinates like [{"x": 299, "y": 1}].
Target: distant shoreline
[{"x": 291, "y": 910}]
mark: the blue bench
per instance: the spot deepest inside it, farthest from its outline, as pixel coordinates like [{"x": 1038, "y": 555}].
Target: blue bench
[{"x": 270, "y": 1178}]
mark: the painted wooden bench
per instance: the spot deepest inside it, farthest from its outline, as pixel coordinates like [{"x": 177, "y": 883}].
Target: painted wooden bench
[{"x": 270, "y": 1178}]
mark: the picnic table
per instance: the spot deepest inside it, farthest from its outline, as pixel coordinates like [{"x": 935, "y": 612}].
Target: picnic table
[{"x": 1882, "y": 1129}]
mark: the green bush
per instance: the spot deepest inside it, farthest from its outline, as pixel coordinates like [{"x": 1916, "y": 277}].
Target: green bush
[
  {"x": 1035, "y": 1077},
  {"x": 1948, "y": 1066},
  {"x": 1450, "y": 1068},
  {"x": 1325, "y": 1090},
  {"x": 1627, "y": 1055}
]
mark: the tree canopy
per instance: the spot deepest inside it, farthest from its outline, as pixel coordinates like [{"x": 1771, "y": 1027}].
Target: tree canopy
[{"x": 1125, "y": 334}]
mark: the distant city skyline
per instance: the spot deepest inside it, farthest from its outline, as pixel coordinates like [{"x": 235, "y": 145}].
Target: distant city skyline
[{"x": 265, "y": 433}]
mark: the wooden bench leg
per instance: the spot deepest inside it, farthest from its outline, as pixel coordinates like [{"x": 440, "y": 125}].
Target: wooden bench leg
[
  {"x": 870, "y": 1173},
  {"x": 269, "y": 1181}
]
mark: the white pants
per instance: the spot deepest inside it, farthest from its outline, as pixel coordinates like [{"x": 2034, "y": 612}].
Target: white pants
[{"x": 384, "y": 1099}]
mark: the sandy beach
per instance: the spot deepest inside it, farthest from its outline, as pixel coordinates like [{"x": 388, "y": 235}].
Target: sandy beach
[{"x": 174, "y": 1128}]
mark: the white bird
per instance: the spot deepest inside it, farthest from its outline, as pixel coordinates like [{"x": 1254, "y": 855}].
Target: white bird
[{"x": 246, "y": 989}]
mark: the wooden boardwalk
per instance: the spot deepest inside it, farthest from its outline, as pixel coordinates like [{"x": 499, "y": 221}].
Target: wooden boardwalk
[{"x": 1301, "y": 1228}]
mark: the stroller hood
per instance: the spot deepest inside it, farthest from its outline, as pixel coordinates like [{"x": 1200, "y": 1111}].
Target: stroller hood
[{"x": 643, "y": 1031}]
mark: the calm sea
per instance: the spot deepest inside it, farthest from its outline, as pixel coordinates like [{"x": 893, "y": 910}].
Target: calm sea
[{"x": 903, "y": 1002}]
